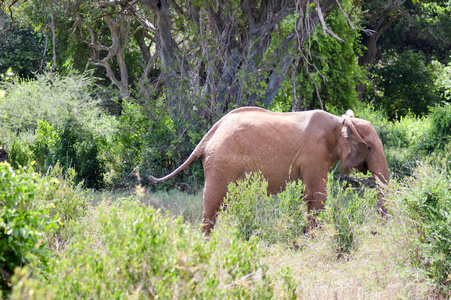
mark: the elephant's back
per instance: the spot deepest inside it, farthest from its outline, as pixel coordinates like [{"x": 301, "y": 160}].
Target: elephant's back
[
  {"x": 254, "y": 139},
  {"x": 252, "y": 134}
]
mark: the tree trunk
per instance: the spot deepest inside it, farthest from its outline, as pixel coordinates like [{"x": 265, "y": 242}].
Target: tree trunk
[
  {"x": 380, "y": 18},
  {"x": 222, "y": 58}
]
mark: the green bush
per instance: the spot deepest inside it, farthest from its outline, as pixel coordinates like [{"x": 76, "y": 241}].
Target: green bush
[
  {"x": 57, "y": 120},
  {"x": 439, "y": 134},
  {"x": 424, "y": 202},
  {"x": 69, "y": 201},
  {"x": 79, "y": 149},
  {"x": 28, "y": 101},
  {"x": 407, "y": 85},
  {"x": 158, "y": 143},
  {"x": 280, "y": 218},
  {"x": 345, "y": 210},
  {"x": 42, "y": 148},
  {"x": 126, "y": 250},
  {"x": 443, "y": 80},
  {"x": 72, "y": 147},
  {"x": 19, "y": 154},
  {"x": 25, "y": 219}
]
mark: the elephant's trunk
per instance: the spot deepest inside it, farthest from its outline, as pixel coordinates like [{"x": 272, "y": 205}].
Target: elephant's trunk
[{"x": 382, "y": 179}]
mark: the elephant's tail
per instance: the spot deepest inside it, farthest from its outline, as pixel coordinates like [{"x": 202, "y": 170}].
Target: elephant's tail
[{"x": 197, "y": 153}]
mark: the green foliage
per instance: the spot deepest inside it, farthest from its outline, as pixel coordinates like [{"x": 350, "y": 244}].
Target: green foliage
[
  {"x": 407, "y": 84},
  {"x": 275, "y": 219},
  {"x": 27, "y": 101},
  {"x": 135, "y": 251},
  {"x": 439, "y": 134},
  {"x": 443, "y": 80},
  {"x": 346, "y": 210},
  {"x": 57, "y": 122},
  {"x": 25, "y": 219},
  {"x": 46, "y": 139},
  {"x": 73, "y": 147},
  {"x": 328, "y": 68},
  {"x": 158, "y": 143},
  {"x": 19, "y": 154},
  {"x": 125, "y": 250},
  {"x": 21, "y": 49},
  {"x": 425, "y": 202},
  {"x": 69, "y": 201},
  {"x": 78, "y": 148},
  {"x": 424, "y": 27}
]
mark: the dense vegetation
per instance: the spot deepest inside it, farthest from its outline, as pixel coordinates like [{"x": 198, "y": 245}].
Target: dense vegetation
[{"x": 93, "y": 99}]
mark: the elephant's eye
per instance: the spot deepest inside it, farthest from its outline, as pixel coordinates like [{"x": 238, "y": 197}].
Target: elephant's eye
[{"x": 369, "y": 148}]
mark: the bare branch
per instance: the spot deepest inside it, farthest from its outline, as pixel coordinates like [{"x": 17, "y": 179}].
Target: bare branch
[
  {"x": 177, "y": 8},
  {"x": 323, "y": 23},
  {"x": 52, "y": 26},
  {"x": 142, "y": 20}
]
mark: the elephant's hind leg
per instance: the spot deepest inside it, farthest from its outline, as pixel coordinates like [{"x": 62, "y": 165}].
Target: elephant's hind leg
[{"x": 214, "y": 192}]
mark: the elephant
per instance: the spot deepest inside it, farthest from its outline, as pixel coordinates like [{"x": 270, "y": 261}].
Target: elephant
[{"x": 284, "y": 147}]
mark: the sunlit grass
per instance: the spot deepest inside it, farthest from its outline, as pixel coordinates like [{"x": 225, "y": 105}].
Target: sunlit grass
[
  {"x": 177, "y": 203},
  {"x": 382, "y": 258}
]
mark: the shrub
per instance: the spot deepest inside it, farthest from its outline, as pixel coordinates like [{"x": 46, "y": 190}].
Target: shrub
[
  {"x": 407, "y": 83},
  {"x": 19, "y": 154},
  {"x": 443, "y": 80},
  {"x": 24, "y": 220},
  {"x": 346, "y": 209},
  {"x": 72, "y": 147},
  {"x": 158, "y": 143},
  {"x": 440, "y": 131},
  {"x": 69, "y": 202},
  {"x": 125, "y": 250},
  {"x": 28, "y": 101},
  {"x": 424, "y": 203},
  {"x": 79, "y": 149},
  {"x": 281, "y": 218},
  {"x": 57, "y": 120}
]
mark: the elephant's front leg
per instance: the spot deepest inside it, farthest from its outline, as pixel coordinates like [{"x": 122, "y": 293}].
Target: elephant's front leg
[{"x": 315, "y": 194}]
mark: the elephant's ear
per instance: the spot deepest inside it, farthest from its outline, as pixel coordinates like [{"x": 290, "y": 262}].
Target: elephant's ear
[{"x": 354, "y": 149}]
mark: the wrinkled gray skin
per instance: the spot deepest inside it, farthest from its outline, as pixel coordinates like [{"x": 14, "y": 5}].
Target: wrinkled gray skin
[{"x": 308, "y": 143}]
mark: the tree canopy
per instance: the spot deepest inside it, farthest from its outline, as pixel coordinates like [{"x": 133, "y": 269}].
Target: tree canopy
[{"x": 212, "y": 56}]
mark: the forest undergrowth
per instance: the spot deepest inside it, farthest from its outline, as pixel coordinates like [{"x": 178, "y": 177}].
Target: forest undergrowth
[
  {"x": 140, "y": 245},
  {"x": 79, "y": 220}
]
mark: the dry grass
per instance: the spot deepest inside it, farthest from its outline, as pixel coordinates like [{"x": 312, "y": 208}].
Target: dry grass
[
  {"x": 377, "y": 269},
  {"x": 379, "y": 266},
  {"x": 177, "y": 203}
]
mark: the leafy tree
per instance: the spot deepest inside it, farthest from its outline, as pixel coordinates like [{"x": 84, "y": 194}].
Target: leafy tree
[
  {"x": 213, "y": 51},
  {"x": 427, "y": 28},
  {"x": 443, "y": 80},
  {"x": 377, "y": 17},
  {"x": 21, "y": 49},
  {"x": 401, "y": 25},
  {"x": 325, "y": 60},
  {"x": 407, "y": 84}
]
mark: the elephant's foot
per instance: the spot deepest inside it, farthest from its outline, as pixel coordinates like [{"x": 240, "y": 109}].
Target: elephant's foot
[{"x": 208, "y": 226}]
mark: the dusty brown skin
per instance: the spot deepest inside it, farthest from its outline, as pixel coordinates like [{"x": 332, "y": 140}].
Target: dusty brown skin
[{"x": 308, "y": 143}]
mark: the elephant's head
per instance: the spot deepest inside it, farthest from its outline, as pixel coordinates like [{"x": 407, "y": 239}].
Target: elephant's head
[{"x": 359, "y": 147}]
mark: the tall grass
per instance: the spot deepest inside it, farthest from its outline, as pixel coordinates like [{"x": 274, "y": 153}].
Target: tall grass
[
  {"x": 175, "y": 202},
  {"x": 355, "y": 253},
  {"x": 125, "y": 248},
  {"x": 279, "y": 218}
]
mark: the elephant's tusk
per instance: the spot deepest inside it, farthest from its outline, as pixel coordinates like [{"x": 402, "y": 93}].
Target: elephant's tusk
[{"x": 380, "y": 180}]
